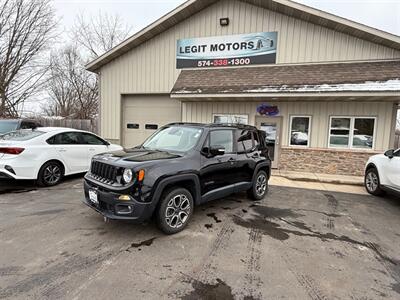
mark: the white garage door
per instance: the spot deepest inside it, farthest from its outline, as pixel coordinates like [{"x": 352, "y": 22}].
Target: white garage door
[{"x": 142, "y": 115}]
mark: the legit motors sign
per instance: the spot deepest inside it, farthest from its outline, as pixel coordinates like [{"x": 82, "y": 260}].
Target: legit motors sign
[{"x": 226, "y": 51}]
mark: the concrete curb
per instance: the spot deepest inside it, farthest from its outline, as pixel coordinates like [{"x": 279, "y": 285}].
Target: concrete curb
[{"x": 322, "y": 178}]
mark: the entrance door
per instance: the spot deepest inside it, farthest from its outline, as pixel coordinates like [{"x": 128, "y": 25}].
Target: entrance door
[{"x": 272, "y": 128}]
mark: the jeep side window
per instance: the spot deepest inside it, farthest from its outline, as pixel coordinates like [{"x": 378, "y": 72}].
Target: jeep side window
[
  {"x": 222, "y": 138},
  {"x": 245, "y": 141}
]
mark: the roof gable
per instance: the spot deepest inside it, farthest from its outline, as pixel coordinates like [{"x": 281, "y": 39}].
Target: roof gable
[{"x": 286, "y": 7}]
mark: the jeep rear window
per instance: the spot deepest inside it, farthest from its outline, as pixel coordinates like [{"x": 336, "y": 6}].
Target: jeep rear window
[
  {"x": 20, "y": 135},
  {"x": 174, "y": 138}
]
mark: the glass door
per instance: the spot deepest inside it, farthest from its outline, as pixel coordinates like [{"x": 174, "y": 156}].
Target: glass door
[{"x": 272, "y": 128}]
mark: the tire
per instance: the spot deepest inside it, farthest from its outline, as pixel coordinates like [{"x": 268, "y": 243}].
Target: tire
[
  {"x": 372, "y": 182},
  {"x": 260, "y": 186},
  {"x": 50, "y": 174},
  {"x": 175, "y": 210}
]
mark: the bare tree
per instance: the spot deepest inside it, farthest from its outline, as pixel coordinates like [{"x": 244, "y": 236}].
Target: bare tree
[
  {"x": 26, "y": 28},
  {"x": 72, "y": 90},
  {"x": 100, "y": 33}
]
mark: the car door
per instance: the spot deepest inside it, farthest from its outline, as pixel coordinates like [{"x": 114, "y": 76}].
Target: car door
[
  {"x": 72, "y": 150},
  {"x": 95, "y": 145},
  {"x": 393, "y": 170},
  {"x": 247, "y": 155},
  {"x": 217, "y": 172}
]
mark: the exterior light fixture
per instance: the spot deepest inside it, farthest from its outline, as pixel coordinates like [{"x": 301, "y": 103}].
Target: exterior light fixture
[{"x": 224, "y": 21}]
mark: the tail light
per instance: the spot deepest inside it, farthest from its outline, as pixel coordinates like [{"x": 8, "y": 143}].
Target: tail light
[{"x": 11, "y": 150}]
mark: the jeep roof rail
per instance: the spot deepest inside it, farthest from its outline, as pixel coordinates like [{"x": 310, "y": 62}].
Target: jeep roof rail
[{"x": 230, "y": 125}]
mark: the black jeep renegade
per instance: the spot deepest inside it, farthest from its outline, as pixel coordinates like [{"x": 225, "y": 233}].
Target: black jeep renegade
[{"x": 180, "y": 166}]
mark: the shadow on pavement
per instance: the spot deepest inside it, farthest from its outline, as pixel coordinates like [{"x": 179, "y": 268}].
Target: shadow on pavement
[{"x": 21, "y": 186}]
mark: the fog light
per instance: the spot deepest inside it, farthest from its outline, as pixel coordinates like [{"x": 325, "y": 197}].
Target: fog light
[
  {"x": 124, "y": 209},
  {"x": 124, "y": 198}
]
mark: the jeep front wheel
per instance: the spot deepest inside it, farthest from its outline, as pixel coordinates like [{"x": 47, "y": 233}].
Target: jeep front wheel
[{"x": 175, "y": 210}]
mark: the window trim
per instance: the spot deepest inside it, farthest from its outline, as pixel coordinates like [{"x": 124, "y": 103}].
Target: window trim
[
  {"x": 351, "y": 133},
  {"x": 310, "y": 117},
  {"x": 230, "y": 114}
]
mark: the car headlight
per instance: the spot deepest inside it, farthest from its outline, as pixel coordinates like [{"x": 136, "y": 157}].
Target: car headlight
[{"x": 127, "y": 175}]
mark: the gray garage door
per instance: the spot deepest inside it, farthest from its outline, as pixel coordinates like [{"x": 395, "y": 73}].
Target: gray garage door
[{"x": 142, "y": 115}]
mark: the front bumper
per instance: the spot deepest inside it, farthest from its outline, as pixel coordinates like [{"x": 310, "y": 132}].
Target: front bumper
[{"x": 112, "y": 208}]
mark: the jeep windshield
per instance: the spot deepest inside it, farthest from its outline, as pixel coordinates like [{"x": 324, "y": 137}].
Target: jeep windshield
[{"x": 174, "y": 139}]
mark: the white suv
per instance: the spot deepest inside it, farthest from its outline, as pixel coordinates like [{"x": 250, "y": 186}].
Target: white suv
[{"x": 382, "y": 173}]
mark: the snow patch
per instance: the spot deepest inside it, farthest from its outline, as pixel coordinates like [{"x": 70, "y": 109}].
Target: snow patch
[{"x": 368, "y": 86}]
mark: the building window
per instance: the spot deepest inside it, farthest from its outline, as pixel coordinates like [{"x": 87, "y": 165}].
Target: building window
[
  {"x": 300, "y": 131},
  {"x": 352, "y": 132},
  {"x": 231, "y": 119},
  {"x": 132, "y": 126},
  {"x": 151, "y": 126}
]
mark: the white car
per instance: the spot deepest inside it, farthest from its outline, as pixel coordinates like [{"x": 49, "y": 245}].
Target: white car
[
  {"x": 47, "y": 154},
  {"x": 382, "y": 173}
]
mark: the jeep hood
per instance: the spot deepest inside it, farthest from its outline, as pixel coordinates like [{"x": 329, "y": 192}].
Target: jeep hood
[{"x": 137, "y": 155}]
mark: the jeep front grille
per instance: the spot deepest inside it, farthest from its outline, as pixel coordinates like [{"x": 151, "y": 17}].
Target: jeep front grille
[{"x": 104, "y": 172}]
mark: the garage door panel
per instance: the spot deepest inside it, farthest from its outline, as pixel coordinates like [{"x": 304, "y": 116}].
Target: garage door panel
[{"x": 142, "y": 110}]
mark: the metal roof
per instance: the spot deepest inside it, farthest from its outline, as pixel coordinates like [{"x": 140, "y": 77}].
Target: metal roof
[{"x": 286, "y": 7}]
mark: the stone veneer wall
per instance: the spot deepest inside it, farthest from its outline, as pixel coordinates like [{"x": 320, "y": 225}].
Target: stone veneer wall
[{"x": 324, "y": 161}]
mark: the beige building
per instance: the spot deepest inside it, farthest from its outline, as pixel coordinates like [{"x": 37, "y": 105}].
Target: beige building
[{"x": 325, "y": 89}]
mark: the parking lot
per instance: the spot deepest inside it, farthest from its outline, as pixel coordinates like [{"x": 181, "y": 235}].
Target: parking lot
[{"x": 296, "y": 243}]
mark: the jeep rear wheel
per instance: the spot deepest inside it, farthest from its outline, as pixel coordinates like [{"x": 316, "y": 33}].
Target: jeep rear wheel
[
  {"x": 175, "y": 210},
  {"x": 260, "y": 186}
]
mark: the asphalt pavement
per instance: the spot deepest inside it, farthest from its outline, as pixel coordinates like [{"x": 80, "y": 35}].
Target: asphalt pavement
[{"x": 295, "y": 244}]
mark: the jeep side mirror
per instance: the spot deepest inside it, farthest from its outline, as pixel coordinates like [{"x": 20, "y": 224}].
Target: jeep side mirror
[
  {"x": 389, "y": 153},
  {"x": 217, "y": 151}
]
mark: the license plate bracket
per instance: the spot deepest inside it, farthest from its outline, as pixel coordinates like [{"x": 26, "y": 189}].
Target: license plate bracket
[{"x": 93, "y": 197}]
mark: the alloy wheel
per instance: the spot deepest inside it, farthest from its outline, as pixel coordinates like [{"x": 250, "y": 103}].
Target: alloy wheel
[
  {"x": 52, "y": 174},
  {"x": 178, "y": 211},
  {"x": 372, "y": 182},
  {"x": 261, "y": 185}
]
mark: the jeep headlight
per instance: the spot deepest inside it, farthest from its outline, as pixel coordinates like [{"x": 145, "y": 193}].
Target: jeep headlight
[{"x": 127, "y": 176}]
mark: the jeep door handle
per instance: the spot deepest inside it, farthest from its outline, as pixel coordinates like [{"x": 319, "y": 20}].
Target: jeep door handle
[{"x": 62, "y": 150}]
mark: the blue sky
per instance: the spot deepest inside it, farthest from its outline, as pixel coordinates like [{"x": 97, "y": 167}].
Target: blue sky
[{"x": 382, "y": 14}]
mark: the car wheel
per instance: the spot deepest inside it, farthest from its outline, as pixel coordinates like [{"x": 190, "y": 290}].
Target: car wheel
[
  {"x": 175, "y": 210},
  {"x": 260, "y": 186},
  {"x": 50, "y": 174},
  {"x": 372, "y": 182}
]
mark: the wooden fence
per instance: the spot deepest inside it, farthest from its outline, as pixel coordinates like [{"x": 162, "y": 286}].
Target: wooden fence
[{"x": 87, "y": 125}]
